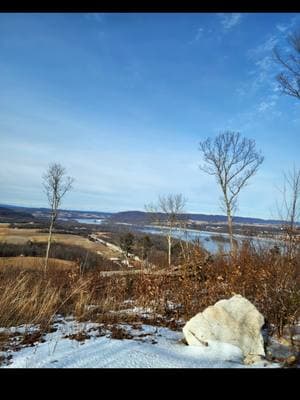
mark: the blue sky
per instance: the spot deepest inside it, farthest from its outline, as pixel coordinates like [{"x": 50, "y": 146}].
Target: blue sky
[{"x": 123, "y": 99}]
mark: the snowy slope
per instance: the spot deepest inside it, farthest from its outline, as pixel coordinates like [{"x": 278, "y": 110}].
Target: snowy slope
[{"x": 151, "y": 347}]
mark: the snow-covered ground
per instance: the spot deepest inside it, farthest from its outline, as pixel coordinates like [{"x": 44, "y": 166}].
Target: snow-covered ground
[{"x": 149, "y": 347}]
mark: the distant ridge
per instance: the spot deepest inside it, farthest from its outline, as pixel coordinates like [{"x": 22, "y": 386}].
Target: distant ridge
[
  {"x": 135, "y": 217},
  {"x": 45, "y": 209},
  {"x": 8, "y": 213},
  {"x": 141, "y": 217}
]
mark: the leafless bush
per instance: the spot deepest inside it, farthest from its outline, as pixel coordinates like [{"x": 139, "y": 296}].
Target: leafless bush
[{"x": 269, "y": 279}]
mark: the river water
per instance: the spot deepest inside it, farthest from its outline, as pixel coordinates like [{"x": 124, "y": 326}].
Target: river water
[
  {"x": 207, "y": 238},
  {"x": 93, "y": 221}
]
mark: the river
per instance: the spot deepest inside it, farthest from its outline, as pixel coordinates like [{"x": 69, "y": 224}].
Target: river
[{"x": 207, "y": 238}]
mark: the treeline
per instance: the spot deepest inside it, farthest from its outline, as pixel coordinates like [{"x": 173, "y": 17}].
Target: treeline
[{"x": 89, "y": 260}]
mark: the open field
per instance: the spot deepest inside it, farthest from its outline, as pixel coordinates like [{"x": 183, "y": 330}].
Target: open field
[
  {"x": 37, "y": 263},
  {"x": 22, "y": 236},
  {"x": 34, "y": 263}
]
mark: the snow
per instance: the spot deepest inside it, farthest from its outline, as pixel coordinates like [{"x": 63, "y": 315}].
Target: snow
[
  {"x": 19, "y": 329},
  {"x": 151, "y": 347}
]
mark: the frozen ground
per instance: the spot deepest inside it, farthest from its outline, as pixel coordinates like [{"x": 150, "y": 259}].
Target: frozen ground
[{"x": 149, "y": 347}]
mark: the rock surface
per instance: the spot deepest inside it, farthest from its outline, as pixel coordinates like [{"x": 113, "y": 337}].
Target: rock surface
[{"x": 235, "y": 321}]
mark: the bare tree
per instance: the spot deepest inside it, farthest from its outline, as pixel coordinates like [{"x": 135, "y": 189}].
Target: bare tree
[
  {"x": 167, "y": 213},
  {"x": 290, "y": 210},
  {"x": 232, "y": 159},
  {"x": 56, "y": 185},
  {"x": 289, "y": 80}
]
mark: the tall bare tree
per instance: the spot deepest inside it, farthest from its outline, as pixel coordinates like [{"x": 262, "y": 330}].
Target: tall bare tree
[
  {"x": 289, "y": 79},
  {"x": 56, "y": 185},
  {"x": 232, "y": 159},
  {"x": 167, "y": 213},
  {"x": 290, "y": 210}
]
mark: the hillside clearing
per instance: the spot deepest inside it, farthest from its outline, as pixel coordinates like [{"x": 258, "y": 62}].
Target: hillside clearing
[{"x": 22, "y": 236}]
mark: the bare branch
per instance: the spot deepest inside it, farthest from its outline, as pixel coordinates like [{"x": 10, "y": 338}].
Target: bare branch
[
  {"x": 232, "y": 160},
  {"x": 289, "y": 80}
]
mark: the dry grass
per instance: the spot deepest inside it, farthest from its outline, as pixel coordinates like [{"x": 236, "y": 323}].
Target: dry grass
[
  {"x": 28, "y": 296},
  {"x": 22, "y": 236},
  {"x": 36, "y": 263},
  {"x": 24, "y": 301},
  {"x": 267, "y": 279}
]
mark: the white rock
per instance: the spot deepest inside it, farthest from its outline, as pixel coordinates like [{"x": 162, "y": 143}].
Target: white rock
[{"x": 235, "y": 321}]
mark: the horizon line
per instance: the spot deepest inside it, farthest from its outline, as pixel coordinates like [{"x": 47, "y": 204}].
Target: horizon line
[{"x": 143, "y": 211}]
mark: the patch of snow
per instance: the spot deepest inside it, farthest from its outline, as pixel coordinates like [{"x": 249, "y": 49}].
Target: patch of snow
[
  {"x": 165, "y": 351},
  {"x": 140, "y": 311},
  {"x": 173, "y": 306},
  {"x": 20, "y": 329},
  {"x": 128, "y": 301}
]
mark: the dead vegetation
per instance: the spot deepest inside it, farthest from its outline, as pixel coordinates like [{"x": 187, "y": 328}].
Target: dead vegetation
[
  {"x": 23, "y": 236},
  {"x": 67, "y": 255},
  {"x": 268, "y": 278}
]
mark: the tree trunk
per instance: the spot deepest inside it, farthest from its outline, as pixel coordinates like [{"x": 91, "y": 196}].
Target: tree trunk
[
  {"x": 49, "y": 244},
  {"x": 230, "y": 230},
  {"x": 169, "y": 249}
]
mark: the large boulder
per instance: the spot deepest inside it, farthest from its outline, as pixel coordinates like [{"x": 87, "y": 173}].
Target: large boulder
[{"x": 235, "y": 321}]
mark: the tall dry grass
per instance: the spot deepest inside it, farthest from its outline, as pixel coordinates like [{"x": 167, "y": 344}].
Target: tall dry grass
[
  {"x": 28, "y": 296},
  {"x": 26, "y": 301},
  {"x": 270, "y": 280}
]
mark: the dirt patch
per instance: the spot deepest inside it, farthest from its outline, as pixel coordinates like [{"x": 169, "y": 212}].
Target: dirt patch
[
  {"x": 15, "y": 341},
  {"x": 120, "y": 333},
  {"x": 30, "y": 339},
  {"x": 4, "y": 341},
  {"x": 4, "y": 360},
  {"x": 79, "y": 336}
]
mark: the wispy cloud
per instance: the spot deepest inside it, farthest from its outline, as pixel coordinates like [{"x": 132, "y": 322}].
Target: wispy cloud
[
  {"x": 198, "y": 35},
  {"x": 267, "y": 104},
  {"x": 264, "y": 69},
  {"x": 262, "y": 110},
  {"x": 227, "y": 20},
  {"x": 281, "y": 27},
  {"x": 230, "y": 20},
  {"x": 266, "y": 46},
  {"x": 97, "y": 17}
]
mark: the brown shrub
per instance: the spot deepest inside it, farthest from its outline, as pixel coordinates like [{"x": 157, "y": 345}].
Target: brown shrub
[
  {"x": 267, "y": 278},
  {"x": 118, "y": 332}
]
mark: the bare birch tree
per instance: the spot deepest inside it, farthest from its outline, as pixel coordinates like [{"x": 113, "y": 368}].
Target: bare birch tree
[
  {"x": 289, "y": 79},
  {"x": 167, "y": 213},
  {"x": 290, "y": 210},
  {"x": 56, "y": 185},
  {"x": 232, "y": 159}
]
